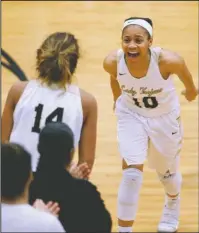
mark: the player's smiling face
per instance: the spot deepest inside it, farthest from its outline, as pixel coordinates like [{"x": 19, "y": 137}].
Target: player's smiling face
[{"x": 135, "y": 42}]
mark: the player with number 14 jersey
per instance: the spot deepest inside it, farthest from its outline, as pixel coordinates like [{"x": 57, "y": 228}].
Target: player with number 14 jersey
[{"x": 52, "y": 97}]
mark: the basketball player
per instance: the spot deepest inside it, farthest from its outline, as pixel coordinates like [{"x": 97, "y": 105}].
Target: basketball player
[
  {"x": 147, "y": 110},
  {"x": 50, "y": 97}
]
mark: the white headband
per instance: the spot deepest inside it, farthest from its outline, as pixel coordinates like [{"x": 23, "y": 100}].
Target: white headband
[{"x": 141, "y": 23}]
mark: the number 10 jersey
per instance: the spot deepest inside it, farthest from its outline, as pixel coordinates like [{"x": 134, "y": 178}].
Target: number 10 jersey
[
  {"x": 149, "y": 96},
  {"x": 40, "y": 104}
]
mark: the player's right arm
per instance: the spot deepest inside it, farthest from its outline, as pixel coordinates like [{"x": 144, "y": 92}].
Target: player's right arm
[
  {"x": 110, "y": 66},
  {"x": 7, "y": 117}
]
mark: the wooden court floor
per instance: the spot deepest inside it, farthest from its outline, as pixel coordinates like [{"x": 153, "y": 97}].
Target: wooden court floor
[{"x": 97, "y": 25}]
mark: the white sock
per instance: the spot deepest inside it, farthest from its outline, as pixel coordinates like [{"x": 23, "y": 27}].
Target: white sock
[{"x": 125, "y": 229}]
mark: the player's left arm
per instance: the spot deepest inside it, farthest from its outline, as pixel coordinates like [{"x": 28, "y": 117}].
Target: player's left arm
[
  {"x": 175, "y": 64},
  {"x": 87, "y": 144},
  {"x": 7, "y": 116}
]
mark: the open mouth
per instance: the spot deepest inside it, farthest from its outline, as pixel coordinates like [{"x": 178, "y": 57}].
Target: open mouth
[{"x": 133, "y": 54}]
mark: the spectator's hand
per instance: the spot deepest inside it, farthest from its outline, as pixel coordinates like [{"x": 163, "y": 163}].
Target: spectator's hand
[
  {"x": 51, "y": 207},
  {"x": 81, "y": 171}
]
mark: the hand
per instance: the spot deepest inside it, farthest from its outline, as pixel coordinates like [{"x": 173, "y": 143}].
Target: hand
[
  {"x": 81, "y": 171},
  {"x": 190, "y": 94},
  {"x": 51, "y": 207}
]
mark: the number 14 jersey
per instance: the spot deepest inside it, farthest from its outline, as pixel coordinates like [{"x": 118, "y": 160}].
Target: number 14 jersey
[
  {"x": 149, "y": 96},
  {"x": 40, "y": 104}
]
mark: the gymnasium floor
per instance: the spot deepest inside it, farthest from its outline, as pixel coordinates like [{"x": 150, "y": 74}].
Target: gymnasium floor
[{"x": 98, "y": 27}]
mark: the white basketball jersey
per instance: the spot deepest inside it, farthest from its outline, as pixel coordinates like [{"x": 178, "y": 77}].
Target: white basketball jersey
[
  {"x": 39, "y": 105},
  {"x": 149, "y": 96}
]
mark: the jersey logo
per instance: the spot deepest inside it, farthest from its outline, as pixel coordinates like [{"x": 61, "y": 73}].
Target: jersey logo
[
  {"x": 174, "y": 133},
  {"x": 122, "y": 74},
  {"x": 148, "y": 101}
]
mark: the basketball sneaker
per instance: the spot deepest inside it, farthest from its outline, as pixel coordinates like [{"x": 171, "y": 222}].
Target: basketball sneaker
[{"x": 170, "y": 217}]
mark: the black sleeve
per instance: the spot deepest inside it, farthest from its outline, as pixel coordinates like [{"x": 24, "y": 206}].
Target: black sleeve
[{"x": 96, "y": 211}]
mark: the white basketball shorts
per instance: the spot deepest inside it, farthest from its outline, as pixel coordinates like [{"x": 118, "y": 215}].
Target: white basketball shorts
[{"x": 159, "y": 138}]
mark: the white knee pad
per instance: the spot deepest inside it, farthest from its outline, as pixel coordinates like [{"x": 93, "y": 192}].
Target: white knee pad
[
  {"x": 128, "y": 194},
  {"x": 172, "y": 182}
]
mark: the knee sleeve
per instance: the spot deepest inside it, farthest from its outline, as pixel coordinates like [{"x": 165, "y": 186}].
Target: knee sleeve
[
  {"x": 128, "y": 194},
  {"x": 171, "y": 182}
]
